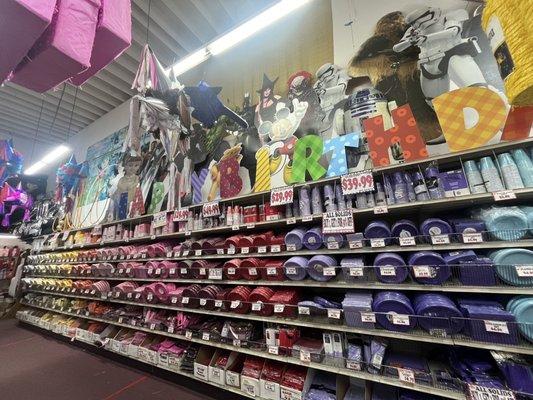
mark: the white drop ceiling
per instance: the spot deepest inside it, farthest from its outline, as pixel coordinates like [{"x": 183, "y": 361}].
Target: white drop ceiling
[{"x": 177, "y": 27}]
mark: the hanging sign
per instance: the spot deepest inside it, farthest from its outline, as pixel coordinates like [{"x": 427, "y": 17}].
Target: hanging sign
[
  {"x": 282, "y": 195},
  {"x": 357, "y": 182},
  {"x": 340, "y": 221}
]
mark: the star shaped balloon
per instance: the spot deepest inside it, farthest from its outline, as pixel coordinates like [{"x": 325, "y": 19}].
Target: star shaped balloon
[
  {"x": 68, "y": 178},
  {"x": 10, "y": 161}
]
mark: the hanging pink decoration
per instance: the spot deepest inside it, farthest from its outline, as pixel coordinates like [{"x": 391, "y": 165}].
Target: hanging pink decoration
[
  {"x": 22, "y": 22},
  {"x": 15, "y": 205}
]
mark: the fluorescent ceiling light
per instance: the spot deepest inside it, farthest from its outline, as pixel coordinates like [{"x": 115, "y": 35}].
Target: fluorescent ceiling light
[
  {"x": 47, "y": 159},
  {"x": 254, "y": 25},
  {"x": 8, "y": 236},
  {"x": 237, "y": 35}
]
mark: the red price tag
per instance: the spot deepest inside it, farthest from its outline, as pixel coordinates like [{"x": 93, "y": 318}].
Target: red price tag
[
  {"x": 181, "y": 214},
  {"x": 357, "y": 182},
  {"x": 282, "y": 195},
  {"x": 211, "y": 209}
]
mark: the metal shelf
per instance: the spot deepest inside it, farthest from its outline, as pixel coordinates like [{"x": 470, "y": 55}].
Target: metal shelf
[
  {"x": 416, "y": 335},
  {"x": 291, "y": 360}
]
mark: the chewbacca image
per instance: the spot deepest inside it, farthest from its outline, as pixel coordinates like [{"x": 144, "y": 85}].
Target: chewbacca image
[{"x": 395, "y": 75}]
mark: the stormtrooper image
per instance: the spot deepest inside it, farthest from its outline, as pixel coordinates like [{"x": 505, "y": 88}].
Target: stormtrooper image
[{"x": 445, "y": 56}]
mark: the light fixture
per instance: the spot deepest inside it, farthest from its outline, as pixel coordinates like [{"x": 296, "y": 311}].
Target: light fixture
[
  {"x": 8, "y": 236},
  {"x": 237, "y": 35},
  {"x": 254, "y": 25},
  {"x": 47, "y": 159}
]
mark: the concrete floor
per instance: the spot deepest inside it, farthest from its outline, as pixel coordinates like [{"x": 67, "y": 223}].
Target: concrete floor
[{"x": 36, "y": 366}]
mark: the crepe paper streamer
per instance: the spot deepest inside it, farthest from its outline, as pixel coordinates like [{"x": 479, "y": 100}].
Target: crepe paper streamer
[
  {"x": 197, "y": 183},
  {"x": 453, "y": 107},
  {"x": 303, "y": 163},
  {"x": 405, "y": 132},
  {"x": 21, "y": 24},
  {"x": 506, "y": 24},
  {"x": 338, "y": 164},
  {"x": 519, "y": 123},
  {"x": 262, "y": 170},
  {"x": 112, "y": 38},
  {"x": 63, "y": 50},
  {"x": 230, "y": 181}
]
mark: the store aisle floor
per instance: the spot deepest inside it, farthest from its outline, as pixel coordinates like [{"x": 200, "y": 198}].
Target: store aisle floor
[{"x": 34, "y": 366}]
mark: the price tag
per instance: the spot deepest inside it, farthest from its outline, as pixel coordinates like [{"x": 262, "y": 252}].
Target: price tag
[
  {"x": 282, "y": 195},
  {"x": 290, "y": 270},
  {"x": 149, "y": 297},
  {"x": 340, "y": 221},
  {"x": 218, "y": 303},
  {"x": 305, "y": 356},
  {"x": 215, "y": 273},
  {"x": 231, "y": 271},
  {"x": 231, "y": 250},
  {"x": 143, "y": 255},
  {"x": 97, "y": 230},
  {"x": 474, "y": 237},
  {"x": 356, "y": 271},
  {"x": 235, "y": 227},
  {"x": 152, "y": 326},
  {"x": 203, "y": 302},
  {"x": 181, "y": 214},
  {"x": 271, "y": 271},
  {"x": 441, "y": 333},
  {"x": 273, "y": 350},
  {"x": 503, "y": 195},
  {"x": 291, "y": 221},
  {"x": 328, "y": 271},
  {"x": 387, "y": 270},
  {"x": 307, "y": 218},
  {"x": 237, "y": 342},
  {"x": 138, "y": 296},
  {"x": 440, "y": 239},
  {"x": 252, "y": 271},
  {"x": 188, "y": 233},
  {"x": 183, "y": 271},
  {"x": 368, "y": 317},
  {"x": 184, "y": 300},
  {"x": 250, "y": 226},
  {"x": 406, "y": 375},
  {"x": 476, "y": 392},
  {"x": 245, "y": 250},
  {"x": 158, "y": 271},
  {"x": 423, "y": 271},
  {"x": 202, "y": 271},
  {"x": 197, "y": 252},
  {"x": 205, "y": 336},
  {"x": 291, "y": 247},
  {"x": 279, "y": 308},
  {"x": 524, "y": 271},
  {"x": 275, "y": 248},
  {"x": 211, "y": 209},
  {"x": 220, "y": 252},
  {"x": 378, "y": 242},
  {"x": 170, "y": 329},
  {"x": 357, "y": 182},
  {"x": 234, "y": 304},
  {"x": 334, "y": 313},
  {"x": 407, "y": 241},
  {"x": 354, "y": 365},
  {"x": 303, "y": 310},
  {"x": 120, "y": 320},
  {"x": 332, "y": 245},
  {"x": 185, "y": 253},
  {"x": 188, "y": 335},
  {"x": 497, "y": 327},
  {"x": 257, "y": 306},
  {"x": 355, "y": 244},
  {"x": 174, "y": 300},
  {"x": 262, "y": 249},
  {"x": 399, "y": 319},
  {"x": 381, "y": 210}
]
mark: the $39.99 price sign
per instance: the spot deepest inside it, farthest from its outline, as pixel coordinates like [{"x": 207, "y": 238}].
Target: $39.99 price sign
[
  {"x": 357, "y": 182},
  {"x": 282, "y": 195},
  {"x": 211, "y": 209},
  {"x": 181, "y": 214}
]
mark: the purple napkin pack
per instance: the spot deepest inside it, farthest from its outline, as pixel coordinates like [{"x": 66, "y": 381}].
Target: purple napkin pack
[
  {"x": 454, "y": 183},
  {"x": 413, "y": 362},
  {"x": 472, "y": 270},
  {"x": 354, "y": 304},
  {"x": 480, "y": 315}
]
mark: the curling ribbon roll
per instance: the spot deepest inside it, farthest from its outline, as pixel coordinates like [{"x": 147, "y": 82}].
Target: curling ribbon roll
[{"x": 506, "y": 24}]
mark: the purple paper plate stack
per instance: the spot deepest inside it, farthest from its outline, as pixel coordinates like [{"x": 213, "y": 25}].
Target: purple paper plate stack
[
  {"x": 354, "y": 304},
  {"x": 404, "y": 228},
  {"x": 298, "y": 265},
  {"x": 437, "y": 312},
  {"x": 295, "y": 238},
  {"x": 312, "y": 239},
  {"x": 488, "y": 321},
  {"x": 390, "y": 268},
  {"x": 434, "y": 227},
  {"x": 335, "y": 238},
  {"x": 378, "y": 230},
  {"x": 439, "y": 271},
  {"x": 389, "y": 303},
  {"x": 316, "y": 265}
]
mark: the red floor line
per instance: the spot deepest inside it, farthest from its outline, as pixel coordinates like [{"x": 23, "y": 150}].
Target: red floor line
[
  {"x": 131, "y": 384},
  {"x": 17, "y": 341}
]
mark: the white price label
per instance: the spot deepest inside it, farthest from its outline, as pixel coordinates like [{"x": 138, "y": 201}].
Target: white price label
[
  {"x": 407, "y": 241},
  {"x": 234, "y": 304},
  {"x": 158, "y": 271},
  {"x": 245, "y": 250},
  {"x": 355, "y": 244},
  {"x": 198, "y": 252},
  {"x": 423, "y": 271},
  {"x": 290, "y": 270},
  {"x": 188, "y": 335},
  {"x": 474, "y": 237},
  {"x": 307, "y": 218},
  {"x": 291, "y": 221},
  {"x": 231, "y": 271},
  {"x": 332, "y": 245},
  {"x": 215, "y": 273},
  {"x": 356, "y": 271},
  {"x": 218, "y": 303},
  {"x": 368, "y": 317},
  {"x": 406, "y": 375},
  {"x": 476, "y": 392},
  {"x": 181, "y": 214},
  {"x": 220, "y": 252},
  {"x": 174, "y": 300},
  {"x": 524, "y": 271},
  {"x": 279, "y": 308},
  {"x": 231, "y": 250},
  {"x": 282, "y": 195},
  {"x": 273, "y": 350},
  {"x": 262, "y": 249},
  {"x": 305, "y": 356},
  {"x": 354, "y": 365},
  {"x": 202, "y": 272},
  {"x": 172, "y": 271},
  {"x": 503, "y": 195},
  {"x": 203, "y": 302},
  {"x": 328, "y": 271},
  {"x": 377, "y": 242},
  {"x": 440, "y": 239},
  {"x": 291, "y": 247},
  {"x": 399, "y": 319},
  {"x": 184, "y": 300},
  {"x": 250, "y": 226},
  {"x": 381, "y": 210},
  {"x": 183, "y": 271},
  {"x": 211, "y": 209},
  {"x": 387, "y": 270},
  {"x": 257, "y": 306},
  {"x": 252, "y": 271},
  {"x": 303, "y": 310},
  {"x": 149, "y": 297},
  {"x": 160, "y": 219},
  {"x": 152, "y": 326},
  {"x": 334, "y": 313},
  {"x": 205, "y": 336},
  {"x": 237, "y": 342},
  {"x": 275, "y": 248},
  {"x": 497, "y": 327},
  {"x": 271, "y": 271},
  {"x": 340, "y": 221},
  {"x": 185, "y": 253},
  {"x": 170, "y": 329},
  {"x": 357, "y": 182},
  {"x": 235, "y": 227}
]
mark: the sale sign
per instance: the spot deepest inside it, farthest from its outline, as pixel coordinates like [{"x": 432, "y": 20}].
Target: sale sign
[
  {"x": 357, "y": 182},
  {"x": 211, "y": 209},
  {"x": 282, "y": 195},
  {"x": 338, "y": 221}
]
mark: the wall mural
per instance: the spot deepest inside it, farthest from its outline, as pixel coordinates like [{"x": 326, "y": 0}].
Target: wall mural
[{"x": 424, "y": 83}]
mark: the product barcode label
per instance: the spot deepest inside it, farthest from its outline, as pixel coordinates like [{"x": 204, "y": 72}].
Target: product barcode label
[
  {"x": 407, "y": 241},
  {"x": 497, "y": 327}
]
